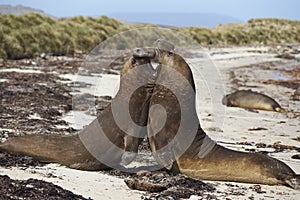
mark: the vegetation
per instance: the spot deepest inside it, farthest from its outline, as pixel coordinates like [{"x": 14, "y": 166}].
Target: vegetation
[
  {"x": 255, "y": 32},
  {"x": 29, "y": 35}
]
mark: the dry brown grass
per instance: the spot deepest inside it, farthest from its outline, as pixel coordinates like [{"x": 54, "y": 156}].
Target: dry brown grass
[{"x": 32, "y": 34}]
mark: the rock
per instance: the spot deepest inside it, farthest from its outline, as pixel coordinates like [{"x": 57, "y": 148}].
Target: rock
[
  {"x": 143, "y": 173},
  {"x": 296, "y": 156},
  {"x": 44, "y": 56},
  {"x": 285, "y": 56}
]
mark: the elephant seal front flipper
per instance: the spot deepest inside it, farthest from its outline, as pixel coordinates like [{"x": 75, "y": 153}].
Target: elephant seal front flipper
[{"x": 203, "y": 158}]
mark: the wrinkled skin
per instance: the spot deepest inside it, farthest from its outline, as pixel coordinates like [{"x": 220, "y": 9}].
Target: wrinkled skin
[
  {"x": 102, "y": 143},
  {"x": 195, "y": 154}
]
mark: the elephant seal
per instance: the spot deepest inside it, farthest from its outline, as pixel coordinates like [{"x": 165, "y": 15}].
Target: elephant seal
[
  {"x": 201, "y": 157},
  {"x": 102, "y": 143},
  {"x": 252, "y": 100}
]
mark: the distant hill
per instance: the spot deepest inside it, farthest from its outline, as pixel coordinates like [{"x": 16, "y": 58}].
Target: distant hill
[
  {"x": 18, "y": 10},
  {"x": 207, "y": 20}
]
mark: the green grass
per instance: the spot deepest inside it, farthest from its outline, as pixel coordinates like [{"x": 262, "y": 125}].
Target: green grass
[
  {"x": 29, "y": 35},
  {"x": 255, "y": 32}
]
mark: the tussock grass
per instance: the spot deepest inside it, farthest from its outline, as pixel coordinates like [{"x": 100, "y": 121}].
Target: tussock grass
[{"x": 29, "y": 35}]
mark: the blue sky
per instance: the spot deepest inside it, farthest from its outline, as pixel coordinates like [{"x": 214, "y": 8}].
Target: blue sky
[{"x": 240, "y": 9}]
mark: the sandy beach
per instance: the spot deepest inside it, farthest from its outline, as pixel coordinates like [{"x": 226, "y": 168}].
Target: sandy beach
[{"x": 217, "y": 71}]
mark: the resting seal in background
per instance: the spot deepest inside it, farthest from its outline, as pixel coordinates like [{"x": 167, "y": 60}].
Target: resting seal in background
[
  {"x": 252, "y": 100},
  {"x": 87, "y": 150},
  {"x": 203, "y": 158}
]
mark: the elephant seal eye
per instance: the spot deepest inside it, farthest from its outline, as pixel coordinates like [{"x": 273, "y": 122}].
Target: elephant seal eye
[
  {"x": 171, "y": 53},
  {"x": 133, "y": 61}
]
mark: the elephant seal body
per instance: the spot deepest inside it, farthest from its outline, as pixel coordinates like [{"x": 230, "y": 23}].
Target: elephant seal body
[
  {"x": 201, "y": 157},
  {"x": 65, "y": 150},
  {"x": 252, "y": 100},
  {"x": 102, "y": 143}
]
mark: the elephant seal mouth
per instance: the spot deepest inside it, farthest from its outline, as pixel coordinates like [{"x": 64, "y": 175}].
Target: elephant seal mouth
[
  {"x": 144, "y": 52},
  {"x": 151, "y": 54}
]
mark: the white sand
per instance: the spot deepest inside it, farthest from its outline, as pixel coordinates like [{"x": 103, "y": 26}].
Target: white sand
[
  {"x": 88, "y": 184},
  {"x": 222, "y": 124}
]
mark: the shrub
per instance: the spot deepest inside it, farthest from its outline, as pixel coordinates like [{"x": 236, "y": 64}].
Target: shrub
[{"x": 32, "y": 34}]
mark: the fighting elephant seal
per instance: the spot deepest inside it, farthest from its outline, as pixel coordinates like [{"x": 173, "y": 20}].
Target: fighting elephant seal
[
  {"x": 102, "y": 143},
  {"x": 194, "y": 153},
  {"x": 252, "y": 100}
]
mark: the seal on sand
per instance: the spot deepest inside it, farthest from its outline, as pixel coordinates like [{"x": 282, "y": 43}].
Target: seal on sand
[
  {"x": 252, "y": 100},
  {"x": 201, "y": 157},
  {"x": 102, "y": 143}
]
